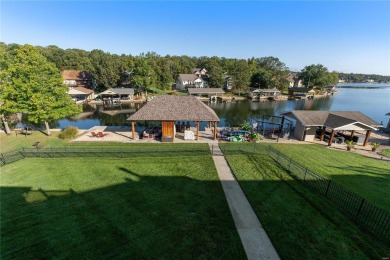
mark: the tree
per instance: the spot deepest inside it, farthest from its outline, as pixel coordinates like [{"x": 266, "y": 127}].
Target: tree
[
  {"x": 318, "y": 76},
  {"x": 33, "y": 86},
  {"x": 273, "y": 71},
  {"x": 4, "y": 62}
]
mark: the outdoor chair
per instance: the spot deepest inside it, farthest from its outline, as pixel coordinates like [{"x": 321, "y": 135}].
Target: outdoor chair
[
  {"x": 93, "y": 134},
  {"x": 101, "y": 134}
]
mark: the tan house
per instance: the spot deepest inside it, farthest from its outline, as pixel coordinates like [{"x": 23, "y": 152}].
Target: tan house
[{"x": 77, "y": 78}]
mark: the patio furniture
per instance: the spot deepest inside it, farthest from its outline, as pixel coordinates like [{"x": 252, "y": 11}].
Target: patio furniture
[
  {"x": 189, "y": 135},
  {"x": 94, "y": 134},
  {"x": 101, "y": 134}
]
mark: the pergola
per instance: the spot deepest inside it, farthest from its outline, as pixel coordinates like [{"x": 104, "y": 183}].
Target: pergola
[
  {"x": 332, "y": 120},
  {"x": 169, "y": 109}
]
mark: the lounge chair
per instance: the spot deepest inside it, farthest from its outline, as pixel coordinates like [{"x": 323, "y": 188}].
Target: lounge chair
[
  {"x": 101, "y": 134},
  {"x": 93, "y": 134}
]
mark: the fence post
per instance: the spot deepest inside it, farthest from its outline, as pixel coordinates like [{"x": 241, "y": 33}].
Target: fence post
[
  {"x": 360, "y": 207},
  {"x": 289, "y": 165},
  {"x": 304, "y": 177},
  {"x": 327, "y": 188}
]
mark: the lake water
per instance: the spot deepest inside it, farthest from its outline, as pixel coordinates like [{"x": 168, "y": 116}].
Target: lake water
[{"x": 370, "y": 99}]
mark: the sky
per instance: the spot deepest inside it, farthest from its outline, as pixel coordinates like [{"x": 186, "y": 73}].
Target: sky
[{"x": 344, "y": 36}]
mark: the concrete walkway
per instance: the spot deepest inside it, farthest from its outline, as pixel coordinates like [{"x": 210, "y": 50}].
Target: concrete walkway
[{"x": 255, "y": 240}]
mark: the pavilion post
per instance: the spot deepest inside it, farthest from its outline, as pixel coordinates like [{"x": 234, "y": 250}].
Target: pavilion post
[
  {"x": 133, "y": 130},
  {"x": 352, "y": 133},
  {"x": 197, "y": 130},
  {"x": 215, "y": 130},
  {"x": 322, "y": 134},
  {"x": 331, "y": 137},
  {"x": 367, "y": 137}
]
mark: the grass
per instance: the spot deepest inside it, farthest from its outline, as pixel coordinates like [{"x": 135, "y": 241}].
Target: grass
[
  {"x": 367, "y": 177},
  {"x": 300, "y": 224},
  {"x": 386, "y": 152},
  {"x": 12, "y": 142},
  {"x": 120, "y": 208}
]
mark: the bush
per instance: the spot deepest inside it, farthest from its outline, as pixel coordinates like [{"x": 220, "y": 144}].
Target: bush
[{"x": 69, "y": 133}]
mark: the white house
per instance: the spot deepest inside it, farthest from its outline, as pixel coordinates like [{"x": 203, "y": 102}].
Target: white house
[
  {"x": 185, "y": 81},
  {"x": 294, "y": 80}
]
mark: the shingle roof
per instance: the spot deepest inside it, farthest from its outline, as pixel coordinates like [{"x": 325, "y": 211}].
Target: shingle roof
[
  {"x": 76, "y": 75},
  {"x": 331, "y": 119},
  {"x": 187, "y": 77},
  {"x": 84, "y": 90},
  {"x": 119, "y": 91},
  {"x": 265, "y": 90},
  {"x": 295, "y": 89},
  {"x": 175, "y": 108},
  {"x": 205, "y": 91}
]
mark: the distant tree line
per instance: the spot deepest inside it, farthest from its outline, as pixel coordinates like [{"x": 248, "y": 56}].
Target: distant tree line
[
  {"x": 358, "y": 78},
  {"x": 152, "y": 71}
]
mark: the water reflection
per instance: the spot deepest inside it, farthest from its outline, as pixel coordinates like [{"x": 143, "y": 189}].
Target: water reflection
[{"x": 375, "y": 103}]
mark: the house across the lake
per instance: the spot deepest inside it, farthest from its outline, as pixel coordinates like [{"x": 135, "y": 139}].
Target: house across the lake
[
  {"x": 81, "y": 94},
  {"x": 78, "y": 78},
  {"x": 199, "y": 79}
]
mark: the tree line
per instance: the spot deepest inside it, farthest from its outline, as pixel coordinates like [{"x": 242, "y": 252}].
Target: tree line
[
  {"x": 31, "y": 82},
  {"x": 152, "y": 71},
  {"x": 358, "y": 78}
]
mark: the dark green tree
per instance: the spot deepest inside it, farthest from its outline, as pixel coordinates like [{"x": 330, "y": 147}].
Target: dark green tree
[
  {"x": 318, "y": 76},
  {"x": 32, "y": 85}
]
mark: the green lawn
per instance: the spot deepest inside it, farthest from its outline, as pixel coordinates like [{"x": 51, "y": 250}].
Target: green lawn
[
  {"x": 367, "y": 177},
  {"x": 300, "y": 224},
  {"x": 12, "y": 142},
  {"x": 386, "y": 152},
  {"x": 99, "y": 208}
]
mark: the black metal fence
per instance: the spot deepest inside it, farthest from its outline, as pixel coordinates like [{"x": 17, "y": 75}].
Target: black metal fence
[
  {"x": 6, "y": 158},
  {"x": 374, "y": 219}
]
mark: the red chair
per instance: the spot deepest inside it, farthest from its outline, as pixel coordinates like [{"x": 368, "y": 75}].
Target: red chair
[
  {"x": 94, "y": 134},
  {"x": 101, "y": 134}
]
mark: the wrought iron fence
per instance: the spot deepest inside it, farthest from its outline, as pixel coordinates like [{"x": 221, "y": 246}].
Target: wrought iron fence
[
  {"x": 374, "y": 219},
  {"x": 10, "y": 157}
]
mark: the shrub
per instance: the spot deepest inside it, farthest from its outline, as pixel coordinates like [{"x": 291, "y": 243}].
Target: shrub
[
  {"x": 245, "y": 126},
  {"x": 69, "y": 133}
]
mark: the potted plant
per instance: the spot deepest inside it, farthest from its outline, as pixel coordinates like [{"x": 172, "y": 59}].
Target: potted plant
[
  {"x": 374, "y": 146},
  {"x": 255, "y": 136},
  {"x": 350, "y": 144}
]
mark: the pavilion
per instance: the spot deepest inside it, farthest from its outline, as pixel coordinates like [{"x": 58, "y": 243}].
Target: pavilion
[
  {"x": 169, "y": 109},
  {"x": 309, "y": 122}
]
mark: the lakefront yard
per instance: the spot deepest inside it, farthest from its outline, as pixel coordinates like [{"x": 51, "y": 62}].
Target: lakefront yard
[{"x": 144, "y": 207}]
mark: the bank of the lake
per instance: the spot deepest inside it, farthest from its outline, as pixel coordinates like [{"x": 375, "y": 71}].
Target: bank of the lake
[{"x": 371, "y": 99}]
